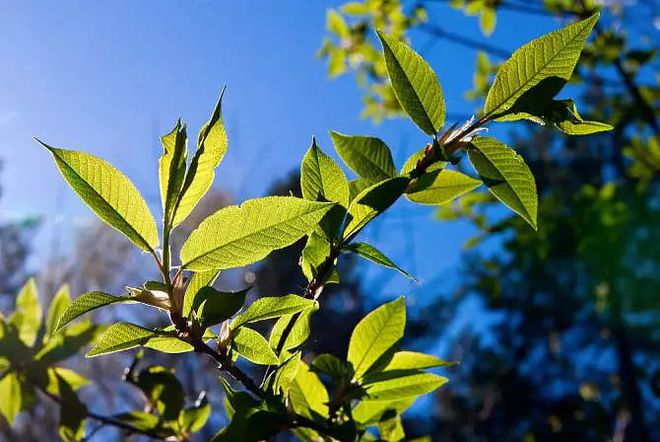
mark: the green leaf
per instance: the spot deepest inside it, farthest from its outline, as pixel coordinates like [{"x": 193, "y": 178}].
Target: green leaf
[
  {"x": 308, "y": 394},
  {"x": 162, "y": 390},
  {"x": 369, "y": 157},
  {"x": 404, "y": 387},
  {"x": 72, "y": 414},
  {"x": 410, "y": 360},
  {"x": 213, "y": 306},
  {"x": 411, "y": 163},
  {"x": 331, "y": 365},
  {"x": 391, "y": 428},
  {"x": 316, "y": 251},
  {"x": 506, "y": 175},
  {"x": 371, "y": 253},
  {"x": 299, "y": 333},
  {"x": 373, "y": 201},
  {"x": 285, "y": 373},
  {"x": 440, "y": 187},
  {"x": 553, "y": 55},
  {"x": 58, "y": 306},
  {"x": 67, "y": 342},
  {"x": 11, "y": 397},
  {"x": 198, "y": 280},
  {"x": 272, "y": 307},
  {"x": 110, "y": 195},
  {"x": 321, "y": 179},
  {"x": 168, "y": 344},
  {"x": 487, "y": 21},
  {"x": 121, "y": 336},
  {"x": 253, "y": 347},
  {"x": 139, "y": 419},
  {"x": 415, "y": 84},
  {"x": 356, "y": 187},
  {"x": 27, "y": 315},
  {"x": 336, "y": 25},
  {"x": 369, "y": 412},
  {"x": 211, "y": 149},
  {"x": 237, "y": 236},
  {"x": 563, "y": 115},
  {"x": 86, "y": 303},
  {"x": 375, "y": 334},
  {"x": 193, "y": 419},
  {"x": 172, "y": 168},
  {"x": 73, "y": 379}
]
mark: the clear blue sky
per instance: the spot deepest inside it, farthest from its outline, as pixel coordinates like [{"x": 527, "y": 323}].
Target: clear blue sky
[{"x": 109, "y": 77}]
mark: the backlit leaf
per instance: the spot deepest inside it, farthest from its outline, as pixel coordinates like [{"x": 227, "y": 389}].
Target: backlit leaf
[
  {"x": 369, "y": 157},
  {"x": 198, "y": 280},
  {"x": 253, "y": 347},
  {"x": 58, "y": 306},
  {"x": 371, "y": 253},
  {"x": 27, "y": 315},
  {"x": 272, "y": 307},
  {"x": 404, "y": 387},
  {"x": 121, "y": 336},
  {"x": 10, "y": 396},
  {"x": 308, "y": 394},
  {"x": 213, "y": 306},
  {"x": 372, "y": 201},
  {"x": 415, "y": 84},
  {"x": 321, "y": 179},
  {"x": 237, "y": 236},
  {"x": 86, "y": 303},
  {"x": 553, "y": 55},
  {"x": 211, "y": 149},
  {"x": 109, "y": 193},
  {"x": 375, "y": 334},
  {"x": 506, "y": 175},
  {"x": 172, "y": 167},
  {"x": 440, "y": 187},
  {"x": 410, "y": 360}
]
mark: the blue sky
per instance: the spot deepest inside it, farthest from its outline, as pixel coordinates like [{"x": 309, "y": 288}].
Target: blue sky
[{"x": 110, "y": 77}]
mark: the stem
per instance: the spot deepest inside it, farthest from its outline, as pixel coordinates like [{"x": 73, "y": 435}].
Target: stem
[{"x": 105, "y": 420}]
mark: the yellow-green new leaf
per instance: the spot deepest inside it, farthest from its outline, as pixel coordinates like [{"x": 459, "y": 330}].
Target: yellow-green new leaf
[
  {"x": 11, "y": 397},
  {"x": 321, "y": 179},
  {"x": 308, "y": 394},
  {"x": 172, "y": 167},
  {"x": 506, "y": 175},
  {"x": 211, "y": 149},
  {"x": 270, "y": 307},
  {"x": 237, "y": 236},
  {"x": 58, "y": 306},
  {"x": 375, "y": 334},
  {"x": 168, "y": 344},
  {"x": 440, "y": 187},
  {"x": 27, "y": 315},
  {"x": 415, "y": 84},
  {"x": 410, "y": 360},
  {"x": 110, "y": 195},
  {"x": 552, "y": 56},
  {"x": 86, "y": 303},
  {"x": 253, "y": 347},
  {"x": 121, "y": 336},
  {"x": 369, "y": 157},
  {"x": 404, "y": 387}
]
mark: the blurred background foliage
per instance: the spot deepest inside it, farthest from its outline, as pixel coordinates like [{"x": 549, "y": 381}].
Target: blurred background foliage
[
  {"x": 564, "y": 346},
  {"x": 572, "y": 352}
]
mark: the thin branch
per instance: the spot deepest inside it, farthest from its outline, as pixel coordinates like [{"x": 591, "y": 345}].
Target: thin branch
[
  {"x": 467, "y": 42},
  {"x": 104, "y": 420}
]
